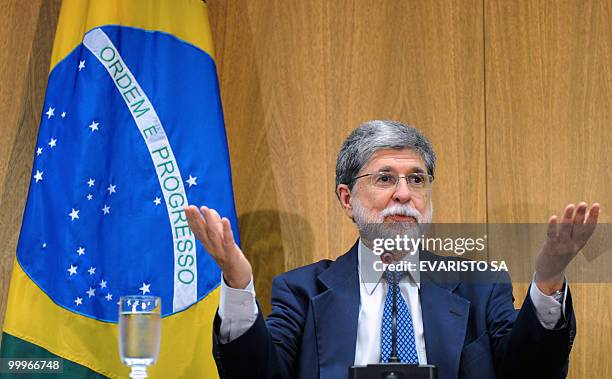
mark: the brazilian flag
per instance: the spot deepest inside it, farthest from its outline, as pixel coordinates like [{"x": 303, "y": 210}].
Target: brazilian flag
[{"x": 131, "y": 132}]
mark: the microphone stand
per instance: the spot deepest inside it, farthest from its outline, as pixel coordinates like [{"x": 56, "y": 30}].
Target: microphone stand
[
  {"x": 395, "y": 285},
  {"x": 394, "y": 369},
  {"x": 393, "y": 358}
]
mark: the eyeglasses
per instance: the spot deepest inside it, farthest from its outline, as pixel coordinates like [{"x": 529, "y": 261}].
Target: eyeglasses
[{"x": 386, "y": 180}]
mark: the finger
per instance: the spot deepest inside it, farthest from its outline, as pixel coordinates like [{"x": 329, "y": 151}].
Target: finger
[
  {"x": 208, "y": 221},
  {"x": 207, "y": 237},
  {"x": 216, "y": 219},
  {"x": 196, "y": 222},
  {"x": 551, "y": 230},
  {"x": 215, "y": 213},
  {"x": 210, "y": 214},
  {"x": 205, "y": 215},
  {"x": 214, "y": 229},
  {"x": 203, "y": 210},
  {"x": 581, "y": 211},
  {"x": 589, "y": 225},
  {"x": 578, "y": 229},
  {"x": 593, "y": 214},
  {"x": 228, "y": 234},
  {"x": 565, "y": 229}
]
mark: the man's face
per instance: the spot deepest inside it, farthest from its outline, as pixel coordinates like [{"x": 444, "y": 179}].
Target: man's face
[{"x": 367, "y": 204}]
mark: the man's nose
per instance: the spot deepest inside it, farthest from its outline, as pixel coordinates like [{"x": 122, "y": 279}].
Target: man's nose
[{"x": 403, "y": 193}]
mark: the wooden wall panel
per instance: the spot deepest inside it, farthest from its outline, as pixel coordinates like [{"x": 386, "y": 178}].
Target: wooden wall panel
[
  {"x": 548, "y": 123},
  {"x": 297, "y": 76},
  {"x": 26, "y": 36},
  {"x": 514, "y": 95}
]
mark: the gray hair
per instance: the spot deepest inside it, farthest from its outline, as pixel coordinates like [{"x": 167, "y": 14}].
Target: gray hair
[{"x": 375, "y": 135}]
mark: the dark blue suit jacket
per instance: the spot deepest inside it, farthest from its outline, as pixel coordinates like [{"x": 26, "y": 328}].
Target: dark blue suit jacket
[{"x": 471, "y": 329}]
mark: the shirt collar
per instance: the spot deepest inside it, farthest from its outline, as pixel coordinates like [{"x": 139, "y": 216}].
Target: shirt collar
[{"x": 365, "y": 261}]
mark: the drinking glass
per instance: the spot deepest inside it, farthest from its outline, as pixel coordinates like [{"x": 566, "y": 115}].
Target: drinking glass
[{"x": 139, "y": 332}]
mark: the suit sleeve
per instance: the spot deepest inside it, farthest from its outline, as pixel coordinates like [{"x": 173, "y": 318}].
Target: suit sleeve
[
  {"x": 267, "y": 349},
  {"x": 522, "y": 347}
]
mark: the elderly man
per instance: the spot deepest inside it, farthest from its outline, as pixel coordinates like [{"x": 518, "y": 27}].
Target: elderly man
[{"x": 326, "y": 318}]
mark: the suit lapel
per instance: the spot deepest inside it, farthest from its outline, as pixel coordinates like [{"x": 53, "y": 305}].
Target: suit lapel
[
  {"x": 445, "y": 317},
  {"x": 336, "y": 311}
]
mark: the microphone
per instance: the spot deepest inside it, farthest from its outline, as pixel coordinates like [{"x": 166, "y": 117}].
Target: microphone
[{"x": 387, "y": 257}]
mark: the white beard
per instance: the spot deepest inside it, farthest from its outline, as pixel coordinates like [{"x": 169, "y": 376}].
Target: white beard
[{"x": 371, "y": 224}]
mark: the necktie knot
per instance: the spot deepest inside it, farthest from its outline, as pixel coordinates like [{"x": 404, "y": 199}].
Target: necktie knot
[{"x": 394, "y": 277}]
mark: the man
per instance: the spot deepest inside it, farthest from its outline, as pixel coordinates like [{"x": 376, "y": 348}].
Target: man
[{"x": 325, "y": 317}]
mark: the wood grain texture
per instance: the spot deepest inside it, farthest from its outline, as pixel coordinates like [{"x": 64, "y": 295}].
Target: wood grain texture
[
  {"x": 548, "y": 90},
  {"x": 25, "y": 48},
  {"x": 297, "y": 76}
]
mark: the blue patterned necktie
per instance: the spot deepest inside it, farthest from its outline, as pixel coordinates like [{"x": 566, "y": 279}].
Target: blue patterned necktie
[{"x": 406, "y": 347}]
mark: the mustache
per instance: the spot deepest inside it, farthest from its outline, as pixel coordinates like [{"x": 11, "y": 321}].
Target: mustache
[{"x": 402, "y": 210}]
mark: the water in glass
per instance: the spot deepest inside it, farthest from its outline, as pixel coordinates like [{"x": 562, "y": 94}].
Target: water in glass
[{"x": 139, "y": 332}]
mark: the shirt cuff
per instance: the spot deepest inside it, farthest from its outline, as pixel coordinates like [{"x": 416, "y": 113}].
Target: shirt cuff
[
  {"x": 237, "y": 310},
  {"x": 548, "y": 310}
]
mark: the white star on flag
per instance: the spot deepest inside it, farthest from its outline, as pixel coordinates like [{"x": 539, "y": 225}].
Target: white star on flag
[
  {"x": 111, "y": 189},
  {"x": 91, "y": 182},
  {"x": 78, "y": 301},
  {"x": 81, "y": 250},
  {"x": 91, "y": 292},
  {"x": 157, "y": 201},
  {"x": 92, "y": 270},
  {"x": 44, "y": 245},
  {"x": 81, "y": 65},
  {"x": 38, "y": 176},
  {"x": 89, "y": 196},
  {"x": 108, "y": 297},
  {"x": 50, "y": 113},
  {"x": 106, "y": 209},
  {"x": 145, "y": 288},
  {"x": 74, "y": 214},
  {"x": 103, "y": 284},
  {"x": 72, "y": 270},
  {"x": 63, "y": 114},
  {"x": 93, "y": 126},
  {"x": 53, "y": 142},
  {"x": 192, "y": 180},
  {"x": 39, "y": 151}
]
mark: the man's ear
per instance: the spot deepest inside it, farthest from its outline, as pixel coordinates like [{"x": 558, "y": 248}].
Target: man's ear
[{"x": 345, "y": 197}]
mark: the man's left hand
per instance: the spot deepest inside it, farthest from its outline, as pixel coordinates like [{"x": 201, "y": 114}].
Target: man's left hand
[{"x": 564, "y": 240}]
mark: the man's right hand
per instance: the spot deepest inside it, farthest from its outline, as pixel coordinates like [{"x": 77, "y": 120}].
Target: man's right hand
[{"x": 215, "y": 233}]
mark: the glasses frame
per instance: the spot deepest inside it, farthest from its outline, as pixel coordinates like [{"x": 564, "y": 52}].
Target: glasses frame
[{"x": 399, "y": 177}]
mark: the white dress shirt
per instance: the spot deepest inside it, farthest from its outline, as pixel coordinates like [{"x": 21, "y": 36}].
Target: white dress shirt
[
  {"x": 372, "y": 294},
  {"x": 238, "y": 311}
]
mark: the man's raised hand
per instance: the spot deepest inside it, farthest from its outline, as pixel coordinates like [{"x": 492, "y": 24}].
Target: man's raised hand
[
  {"x": 563, "y": 241},
  {"x": 215, "y": 233}
]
